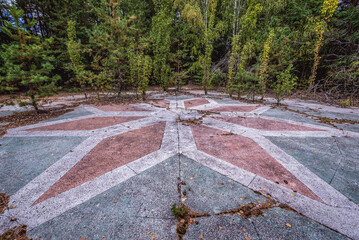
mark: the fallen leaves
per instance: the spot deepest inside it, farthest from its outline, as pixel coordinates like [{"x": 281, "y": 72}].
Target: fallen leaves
[
  {"x": 4, "y": 201},
  {"x": 288, "y": 225},
  {"x": 201, "y": 236},
  {"x": 220, "y": 228},
  {"x": 153, "y": 236}
]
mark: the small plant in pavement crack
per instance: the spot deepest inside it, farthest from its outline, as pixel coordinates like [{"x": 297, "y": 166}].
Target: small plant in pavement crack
[{"x": 178, "y": 211}]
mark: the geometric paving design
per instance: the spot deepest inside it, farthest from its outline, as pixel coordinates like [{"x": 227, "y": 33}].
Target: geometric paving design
[
  {"x": 160, "y": 103},
  {"x": 195, "y": 102},
  {"x": 233, "y": 108},
  {"x": 111, "y": 108},
  {"x": 237, "y": 145},
  {"x": 131, "y": 146},
  {"x": 245, "y": 153},
  {"x": 87, "y": 124},
  {"x": 335, "y": 160},
  {"x": 132, "y": 217},
  {"x": 266, "y": 124}
]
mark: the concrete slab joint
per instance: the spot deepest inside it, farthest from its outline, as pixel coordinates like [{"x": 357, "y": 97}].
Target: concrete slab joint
[{"x": 212, "y": 146}]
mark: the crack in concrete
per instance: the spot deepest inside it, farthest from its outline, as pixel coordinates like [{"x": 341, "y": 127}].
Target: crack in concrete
[
  {"x": 341, "y": 159},
  {"x": 255, "y": 229}
]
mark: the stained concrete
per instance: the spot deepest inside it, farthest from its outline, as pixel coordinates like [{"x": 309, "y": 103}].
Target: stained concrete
[
  {"x": 335, "y": 160},
  {"x": 22, "y": 159},
  {"x": 130, "y": 194},
  {"x": 132, "y": 145}
]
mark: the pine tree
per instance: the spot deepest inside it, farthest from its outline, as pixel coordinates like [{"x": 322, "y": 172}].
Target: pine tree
[
  {"x": 75, "y": 54},
  {"x": 28, "y": 62}
]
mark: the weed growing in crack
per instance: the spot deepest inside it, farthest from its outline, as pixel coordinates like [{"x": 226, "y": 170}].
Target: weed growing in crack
[{"x": 178, "y": 211}]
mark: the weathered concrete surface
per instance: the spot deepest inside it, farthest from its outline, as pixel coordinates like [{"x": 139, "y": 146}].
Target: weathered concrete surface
[
  {"x": 87, "y": 124},
  {"x": 233, "y": 109},
  {"x": 115, "y": 171},
  {"x": 265, "y": 124},
  {"x": 195, "y": 103},
  {"x": 131, "y": 146},
  {"x": 113, "y": 108},
  {"x": 335, "y": 160},
  {"x": 245, "y": 153},
  {"x": 22, "y": 159},
  {"x": 160, "y": 103}
]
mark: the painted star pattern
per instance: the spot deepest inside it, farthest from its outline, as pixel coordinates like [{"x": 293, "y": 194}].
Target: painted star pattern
[{"x": 125, "y": 140}]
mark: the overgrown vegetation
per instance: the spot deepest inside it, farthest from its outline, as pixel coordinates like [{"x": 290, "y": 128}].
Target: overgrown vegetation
[{"x": 251, "y": 47}]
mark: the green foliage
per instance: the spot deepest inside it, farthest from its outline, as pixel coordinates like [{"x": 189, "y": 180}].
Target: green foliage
[
  {"x": 249, "y": 83},
  {"x": 242, "y": 43},
  {"x": 28, "y": 61},
  {"x": 161, "y": 41},
  {"x": 178, "y": 211},
  {"x": 284, "y": 84},
  {"x": 265, "y": 59},
  {"x": 75, "y": 54},
  {"x": 110, "y": 45},
  {"x": 201, "y": 16},
  {"x": 328, "y": 9},
  {"x": 218, "y": 78}
]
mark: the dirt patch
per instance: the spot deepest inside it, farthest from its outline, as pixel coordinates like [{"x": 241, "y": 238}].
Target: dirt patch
[
  {"x": 4, "y": 201},
  {"x": 324, "y": 120},
  {"x": 183, "y": 222},
  {"x": 251, "y": 209},
  {"x": 31, "y": 117},
  {"x": 26, "y": 118},
  {"x": 18, "y": 233},
  {"x": 112, "y": 100},
  {"x": 190, "y": 121},
  {"x": 332, "y": 99}
]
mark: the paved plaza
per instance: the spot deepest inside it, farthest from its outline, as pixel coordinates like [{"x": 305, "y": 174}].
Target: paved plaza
[{"x": 115, "y": 171}]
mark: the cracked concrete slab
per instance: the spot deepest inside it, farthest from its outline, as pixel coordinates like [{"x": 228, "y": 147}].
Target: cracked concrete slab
[{"x": 211, "y": 162}]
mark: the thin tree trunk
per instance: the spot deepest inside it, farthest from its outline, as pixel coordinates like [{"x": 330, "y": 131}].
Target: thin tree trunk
[
  {"x": 119, "y": 77},
  {"x": 34, "y": 103},
  {"x": 205, "y": 81}
]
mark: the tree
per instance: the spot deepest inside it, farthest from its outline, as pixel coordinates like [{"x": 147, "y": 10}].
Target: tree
[
  {"x": 328, "y": 9},
  {"x": 161, "y": 41},
  {"x": 201, "y": 16},
  {"x": 140, "y": 70},
  {"x": 265, "y": 60},
  {"x": 109, "y": 42},
  {"x": 75, "y": 54},
  {"x": 28, "y": 62},
  {"x": 284, "y": 84},
  {"x": 241, "y": 40}
]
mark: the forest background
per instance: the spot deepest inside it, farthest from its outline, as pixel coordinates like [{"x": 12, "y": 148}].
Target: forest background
[{"x": 248, "y": 48}]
